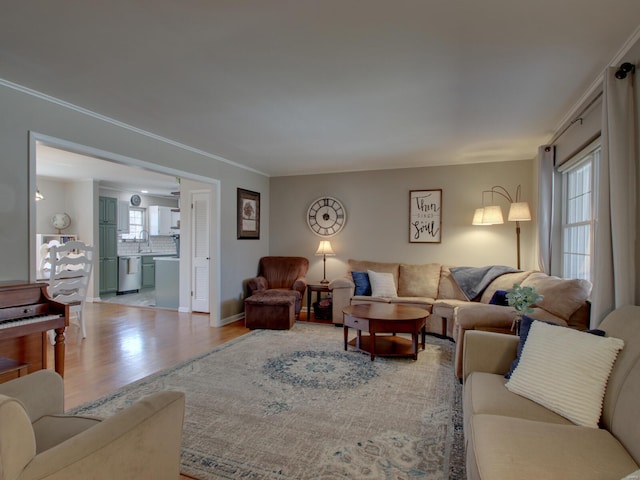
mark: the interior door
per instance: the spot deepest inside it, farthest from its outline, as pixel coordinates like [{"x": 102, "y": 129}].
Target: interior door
[{"x": 200, "y": 264}]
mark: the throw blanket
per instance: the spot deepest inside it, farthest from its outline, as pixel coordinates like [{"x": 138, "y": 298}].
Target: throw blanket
[{"x": 473, "y": 280}]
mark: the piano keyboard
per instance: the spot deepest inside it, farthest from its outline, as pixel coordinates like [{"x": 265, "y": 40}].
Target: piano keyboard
[{"x": 27, "y": 321}]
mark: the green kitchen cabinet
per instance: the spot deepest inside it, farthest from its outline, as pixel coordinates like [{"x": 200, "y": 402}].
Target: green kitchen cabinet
[
  {"x": 108, "y": 238},
  {"x": 148, "y": 271},
  {"x": 108, "y": 210}
]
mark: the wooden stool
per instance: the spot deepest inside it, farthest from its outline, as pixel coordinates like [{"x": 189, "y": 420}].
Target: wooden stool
[{"x": 276, "y": 312}]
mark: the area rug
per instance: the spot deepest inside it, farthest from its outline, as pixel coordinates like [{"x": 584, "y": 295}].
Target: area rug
[{"x": 294, "y": 405}]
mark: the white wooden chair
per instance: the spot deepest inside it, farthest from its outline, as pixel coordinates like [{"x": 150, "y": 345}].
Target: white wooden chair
[{"x": 71, "y": 266}]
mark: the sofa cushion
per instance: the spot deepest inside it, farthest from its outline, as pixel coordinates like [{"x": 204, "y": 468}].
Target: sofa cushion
[
  {"x": 503, "y": 282},
  {"x": 623, "y": 389},
  {"x": 566, "y": 371},
  {"x": 509, "y": 448},
  {"x": 382, "y": 284},
  {"x": 364, "y": 266},
  {"x": 419, "y": 302},
  {"x": 419, "y": 280},
  {"x": 562, "y": 297},
  {"x": 364, "y": 299},
  {"x": 448, "y": 288},
  {"x": 486, "y": 393},
  {"x": 361, "y": 281}
]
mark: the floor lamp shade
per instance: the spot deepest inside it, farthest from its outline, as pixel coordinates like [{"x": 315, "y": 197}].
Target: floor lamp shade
[
  {"x": 519, "y": 212},
  {"x": 492, "y": 215}
]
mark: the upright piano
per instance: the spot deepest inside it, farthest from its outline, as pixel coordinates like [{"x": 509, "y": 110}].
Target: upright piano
[{"x": 26, "y": 314}]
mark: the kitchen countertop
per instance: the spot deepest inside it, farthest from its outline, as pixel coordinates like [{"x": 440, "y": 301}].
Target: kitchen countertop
[
  {"x": 168, "y": 259},
  {"x": 147, "y": 254}
]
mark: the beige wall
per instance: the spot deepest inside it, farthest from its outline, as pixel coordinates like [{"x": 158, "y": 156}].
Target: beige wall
[
  {"x": 377, "y": 204},
  {"x": 23, "y": 113}
]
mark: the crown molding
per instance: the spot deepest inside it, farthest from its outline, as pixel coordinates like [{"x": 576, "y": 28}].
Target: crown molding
[{"x": 126, "y": 126}]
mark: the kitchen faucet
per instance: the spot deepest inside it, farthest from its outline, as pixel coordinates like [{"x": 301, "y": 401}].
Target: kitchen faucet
[{"x": 143, "y": 238}]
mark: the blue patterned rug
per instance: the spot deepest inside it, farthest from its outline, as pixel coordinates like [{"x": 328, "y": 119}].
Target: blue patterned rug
[{"x": 294, "y": 405}]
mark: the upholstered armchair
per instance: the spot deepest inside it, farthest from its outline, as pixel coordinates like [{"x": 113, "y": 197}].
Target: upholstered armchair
[
  {"x": 37, "y": 441},
  {"x": 281, "y": 276}
]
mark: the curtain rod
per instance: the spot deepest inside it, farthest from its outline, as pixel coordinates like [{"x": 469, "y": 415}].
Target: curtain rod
[{"x": 578, "y": 117}]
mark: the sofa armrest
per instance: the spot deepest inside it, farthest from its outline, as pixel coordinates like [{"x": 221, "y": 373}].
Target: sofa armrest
[
  {"x": 145, "y": 437},
  {"x": 41, "y": 393},
  {"x": 488, "y": 352},
  {"x": 482, "y": 316},
  {"x": 256, "y": 283},
  {"x": 478, "y": 316},
  {"x": 342, "y": 282},
  {"x": 342, "y": 289}
]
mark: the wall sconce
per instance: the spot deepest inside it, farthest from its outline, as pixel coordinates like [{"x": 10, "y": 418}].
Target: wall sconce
[
  {"x": 492, "y": 214},
  {"x": 325, "y": 249},
  {"x": 39, "y": 196}
]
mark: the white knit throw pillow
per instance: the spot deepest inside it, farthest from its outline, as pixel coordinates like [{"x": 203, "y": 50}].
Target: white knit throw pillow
[
  {"x": 382, "y": 284},
  {"x": 566, "y": 371}
]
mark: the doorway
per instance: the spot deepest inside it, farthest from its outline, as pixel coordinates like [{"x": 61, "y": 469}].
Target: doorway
[{"x": 88, "y": 189}]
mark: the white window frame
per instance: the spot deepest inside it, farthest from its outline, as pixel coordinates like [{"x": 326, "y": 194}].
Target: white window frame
[
  {"x": 134, "y": 231},
  {"x": 584, "y": 213}
]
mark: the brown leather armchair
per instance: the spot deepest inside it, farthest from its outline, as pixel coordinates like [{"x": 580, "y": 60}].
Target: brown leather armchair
[{"x": 281, "y": 276}]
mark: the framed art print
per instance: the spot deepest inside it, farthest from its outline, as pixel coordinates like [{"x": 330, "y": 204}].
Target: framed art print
[
  {"x": 248, "y": 214},
  {"x": 425, "y": 216}
]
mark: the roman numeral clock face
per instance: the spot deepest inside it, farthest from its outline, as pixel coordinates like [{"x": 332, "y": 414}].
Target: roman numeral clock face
[{"x": 326, "y": 217}]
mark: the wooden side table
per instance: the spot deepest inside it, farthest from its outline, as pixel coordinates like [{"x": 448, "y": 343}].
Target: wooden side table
[
  {"x": 319, "y": 288},
  {"x": 10, "y": 369}
]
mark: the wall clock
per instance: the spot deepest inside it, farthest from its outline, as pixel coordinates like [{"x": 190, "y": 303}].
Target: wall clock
[
  {"x": 326, "y": 216},
  {"x": 135, "y": 200}
]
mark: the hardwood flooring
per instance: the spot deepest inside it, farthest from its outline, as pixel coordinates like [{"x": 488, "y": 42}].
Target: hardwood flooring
[{"x": 125, "y": 344}]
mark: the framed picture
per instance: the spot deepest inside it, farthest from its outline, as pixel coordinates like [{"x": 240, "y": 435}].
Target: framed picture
[
  {"x": 248, "y": 214},
  {"x": 425, "y": 216}
]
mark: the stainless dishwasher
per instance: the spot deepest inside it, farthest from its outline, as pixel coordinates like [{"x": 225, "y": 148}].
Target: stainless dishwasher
[{"x": 129, "y": 274}]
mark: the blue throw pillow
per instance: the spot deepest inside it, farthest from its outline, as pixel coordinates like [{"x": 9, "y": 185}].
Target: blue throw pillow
[
  {"x": 363, "y": 287},
  {"x": 499, "y": 298},
  {"x": 525, "y": 326}
]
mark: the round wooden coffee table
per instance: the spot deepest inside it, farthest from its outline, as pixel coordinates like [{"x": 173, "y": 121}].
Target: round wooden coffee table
[{"x": 378, "y": 318}]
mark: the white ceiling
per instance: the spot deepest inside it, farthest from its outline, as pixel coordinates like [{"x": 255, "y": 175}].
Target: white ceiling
[
  {"x": 296, "y": 87},
  {"x": 60, "y": 164}
]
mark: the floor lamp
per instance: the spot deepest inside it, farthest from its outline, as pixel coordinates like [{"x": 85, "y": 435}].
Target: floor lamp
[
  {"x": 324, "y": 249},
  {"x": 492, "y": 214}
]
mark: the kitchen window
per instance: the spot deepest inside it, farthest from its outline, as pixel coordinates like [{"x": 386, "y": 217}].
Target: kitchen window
[
  {"x": 579, "y": 180},
  {"x": 136, "y": 224}
]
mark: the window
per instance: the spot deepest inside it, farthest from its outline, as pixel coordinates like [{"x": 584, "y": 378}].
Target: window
[
  {"x": 579, "y": 213},
  {"x": 136, "y": 224}
]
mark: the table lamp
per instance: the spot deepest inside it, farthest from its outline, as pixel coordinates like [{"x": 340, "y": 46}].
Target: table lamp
[{"x": 324, "y": 249}]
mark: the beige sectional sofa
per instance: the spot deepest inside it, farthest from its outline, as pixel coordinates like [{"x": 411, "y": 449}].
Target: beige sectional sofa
[
  {"x": 511, "y": 437},
  {"x": 431, "y": 286}
]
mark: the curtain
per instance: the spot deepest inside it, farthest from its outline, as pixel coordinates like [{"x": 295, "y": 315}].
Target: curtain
[
  {"x": 615, "y": 258},
  {"x": 546, "y": 176}
]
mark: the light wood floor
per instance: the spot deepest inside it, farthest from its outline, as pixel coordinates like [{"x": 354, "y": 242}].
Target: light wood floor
[{"x": 125, "y": 344}]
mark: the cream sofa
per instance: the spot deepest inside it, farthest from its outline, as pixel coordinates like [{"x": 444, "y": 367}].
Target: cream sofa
[
  {"x": 432, "y": 286},
  {"x": 37, "y": 441},
  {"x": 511, "y": 437}
]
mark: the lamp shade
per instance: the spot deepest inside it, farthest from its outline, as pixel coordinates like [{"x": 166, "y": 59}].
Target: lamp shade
[
  {"x": 325, "y": 248},
  {"x": 477, "y": 217},
  {"x": 519, "y": 211},
  {"x": 492, "y": 215}
]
